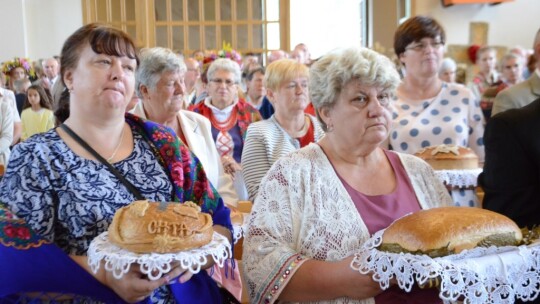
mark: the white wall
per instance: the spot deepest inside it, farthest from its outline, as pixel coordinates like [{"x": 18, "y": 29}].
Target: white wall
[
  {"x": 36, "y": 28},
  {"x": 49, "y": 23},
  {"x": 325, "y": 25},
  {"x": 12, "y": 29},
  {"x": 510, "y": 24}
]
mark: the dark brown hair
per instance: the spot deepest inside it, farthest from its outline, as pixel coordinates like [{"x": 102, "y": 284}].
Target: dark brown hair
[
  {"x": 251, "y": 73},
  {"x": 416, "y": 29},
  {"x": 62, "y": 109},
  {"x": 44, "y": 100},
  {"x": 103, "y": 39}
]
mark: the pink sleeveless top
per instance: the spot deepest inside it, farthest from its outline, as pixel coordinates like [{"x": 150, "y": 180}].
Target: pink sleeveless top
[{"x": 378, "y": 212}]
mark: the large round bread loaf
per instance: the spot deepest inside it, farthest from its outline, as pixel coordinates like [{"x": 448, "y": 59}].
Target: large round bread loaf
[
  {"x": 448, "y": 230},
  {"x": 448, "y": 157},
  {"x": 146, "y": 227}
]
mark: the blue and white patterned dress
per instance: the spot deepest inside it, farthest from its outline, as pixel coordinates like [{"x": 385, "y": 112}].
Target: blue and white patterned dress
[
  {"x": 85, "y": 194},
  {"x": 453, "y": 117}
]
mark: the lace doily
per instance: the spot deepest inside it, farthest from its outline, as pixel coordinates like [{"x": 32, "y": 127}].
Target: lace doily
[
  {"x": 480, "y": 275},
  {"x": 238, "y": 232},
  {"x": 240, "y": 229},
  {"x": 154, "y": 265},
  {"x": 459, "y": 178}
]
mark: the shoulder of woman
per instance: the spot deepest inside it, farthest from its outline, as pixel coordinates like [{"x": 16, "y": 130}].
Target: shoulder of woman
[
  {"x": 307, "y": 157},
  {"x": 457, "y": 89},
  {"x": 410, "y": 161},
  {"x": 4, "y": 106},
  {"x": 36, "y": 146},
  {"x": 266, "y": 125},
  {"x": 193, "y": 116}
]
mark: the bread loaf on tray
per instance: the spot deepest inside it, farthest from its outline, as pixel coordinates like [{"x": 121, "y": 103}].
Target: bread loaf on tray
[
  {"x": 448, "y": 230},
  {"x": 146, "y": 227}
]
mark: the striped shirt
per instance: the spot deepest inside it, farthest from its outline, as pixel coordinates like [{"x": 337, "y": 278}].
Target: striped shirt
[{"x": 266, "y": 142}]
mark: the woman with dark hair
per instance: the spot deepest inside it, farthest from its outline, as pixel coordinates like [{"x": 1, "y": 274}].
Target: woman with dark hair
[
  {"x": 36, "y": 116},
  {"x": 66, "y": 184},
  {"x": 429, "y": 111}
]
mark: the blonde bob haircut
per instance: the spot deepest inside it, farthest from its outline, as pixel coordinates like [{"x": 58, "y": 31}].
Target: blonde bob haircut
[
  {"x": 283, "y": 71},
  {"x": 330, "y": 73}
]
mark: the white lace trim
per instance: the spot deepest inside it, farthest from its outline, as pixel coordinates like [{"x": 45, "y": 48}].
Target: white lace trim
[
  {"x": 459, "y": 178},
  {"x": 480, "y": 275},
  {"x": 154, "y": 265},
  {"x": 240, "y": 230}
]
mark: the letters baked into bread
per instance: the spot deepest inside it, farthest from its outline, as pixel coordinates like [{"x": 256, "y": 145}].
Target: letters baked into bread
[
  {"x": 448, "y": 230},
  {"x": 146, "y": 227}
]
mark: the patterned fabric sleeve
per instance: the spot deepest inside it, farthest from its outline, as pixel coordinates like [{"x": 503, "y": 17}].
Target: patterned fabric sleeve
[
  {"x": 27, "y": 192},
  {"x": 270, "y": 259}
]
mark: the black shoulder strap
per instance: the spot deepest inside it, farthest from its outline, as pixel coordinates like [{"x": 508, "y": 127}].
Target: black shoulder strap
[{"x": 111, "y": 168}]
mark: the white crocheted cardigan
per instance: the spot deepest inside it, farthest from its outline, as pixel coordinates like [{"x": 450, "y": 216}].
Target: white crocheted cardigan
[{"x": 303, "y": 212}]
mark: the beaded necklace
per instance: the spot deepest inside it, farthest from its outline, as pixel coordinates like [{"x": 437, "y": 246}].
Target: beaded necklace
[{"x": 227, "y": 124}]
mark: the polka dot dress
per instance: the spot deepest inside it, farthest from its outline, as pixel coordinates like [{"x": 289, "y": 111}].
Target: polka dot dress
[{"x": 452, "y": 117}]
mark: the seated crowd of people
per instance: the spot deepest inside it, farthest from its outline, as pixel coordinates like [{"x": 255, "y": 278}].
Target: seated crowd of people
[{"x": 323, "y": 148}]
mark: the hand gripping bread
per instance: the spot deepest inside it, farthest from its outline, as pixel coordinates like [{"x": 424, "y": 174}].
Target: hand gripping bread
[
  {"x": 448, "y": 230},
  {"x": 145, "y": 227},
  {"x": 448, "y": 157}
]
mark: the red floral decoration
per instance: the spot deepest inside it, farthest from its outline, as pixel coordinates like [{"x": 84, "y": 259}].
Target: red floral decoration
[{"x": 471, "y": 52}]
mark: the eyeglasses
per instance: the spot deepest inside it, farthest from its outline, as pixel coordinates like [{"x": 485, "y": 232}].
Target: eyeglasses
[
  {"x": 421, "y": 47},
  {"x": 227, "y": 82}
]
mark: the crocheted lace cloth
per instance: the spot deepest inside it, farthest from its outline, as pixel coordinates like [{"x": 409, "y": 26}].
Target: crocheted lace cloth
[
  {"x": 480, "y": 275},
  {"x": 459, "y": 178},
  {"x": 154, "y": 265}
]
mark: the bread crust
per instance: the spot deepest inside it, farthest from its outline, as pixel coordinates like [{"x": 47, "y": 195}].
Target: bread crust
[
  {"x": 145, "y": 227},
  {"x": 454, "y": 228},
  {"x": 449, "y": 157}
]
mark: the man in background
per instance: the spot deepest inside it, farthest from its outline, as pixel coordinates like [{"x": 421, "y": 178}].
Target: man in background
[
  {"x": 511, "y": 175},
  {"x": 192, "y": 76}
]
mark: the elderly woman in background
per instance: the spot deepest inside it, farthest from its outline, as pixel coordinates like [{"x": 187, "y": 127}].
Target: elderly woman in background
[
  {"x": 229, "y": 115},
  {"x": 160, "y": 85},
  {"x": 511, "y": 67},
  {"x": 428, "y": 111},
  {"x": 66, "y": 184},
  {"x": 447, "y": 71},
  {"x": 287, "y": 130},
  {"x": 317, "y": 206}
]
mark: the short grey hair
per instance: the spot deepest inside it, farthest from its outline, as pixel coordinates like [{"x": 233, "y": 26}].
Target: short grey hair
[
  {"x": 447, "y": 64},
  {"x": 507, "y": 57},
  {"x": 225, "y": 64},
  {"x": 330, "y": 73},
  {"x": 153, "y": 62}
]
